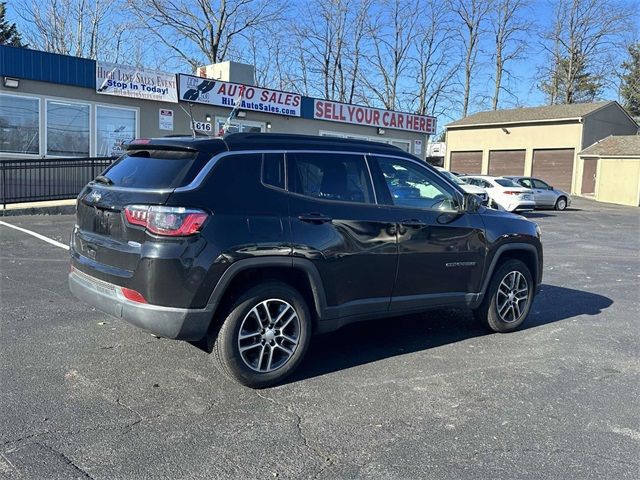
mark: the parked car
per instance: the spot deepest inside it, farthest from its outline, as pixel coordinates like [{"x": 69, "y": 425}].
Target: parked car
[
  {"x": 503, "y": 193},
  {"x": 248, "y": 244},
  {"x": 544, "y": 194},
  {"x": 467, "y": 187}
]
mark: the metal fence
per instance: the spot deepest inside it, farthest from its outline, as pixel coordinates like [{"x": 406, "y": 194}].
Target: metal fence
[{"x": 47, "y": 179}]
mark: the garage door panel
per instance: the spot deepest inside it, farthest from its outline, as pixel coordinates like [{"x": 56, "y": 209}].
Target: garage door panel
[
  {"x": 506, "y": 162},
  {"x": 466, "y": 162},
  {"x": 554, "y": 166}
]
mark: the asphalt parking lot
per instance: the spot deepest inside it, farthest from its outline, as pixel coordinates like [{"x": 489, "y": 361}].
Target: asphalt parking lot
[{"x": 429, "y": 396}]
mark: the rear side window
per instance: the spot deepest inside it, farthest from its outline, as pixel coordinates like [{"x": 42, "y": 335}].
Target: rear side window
[
  {"x": 329, "y": 176},
  {"x": 273, "y": 169},
  {"x": 154, "y": 169}
]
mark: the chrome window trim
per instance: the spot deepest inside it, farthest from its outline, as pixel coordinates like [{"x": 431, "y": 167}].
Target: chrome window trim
[{"x": 199, "y": 178}]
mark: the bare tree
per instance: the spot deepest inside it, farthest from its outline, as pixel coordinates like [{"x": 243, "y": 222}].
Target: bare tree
[
  {"x": 75, "y": 27},
  {"x": 199, "y": 31},
  {"x": 329, "y": 39},
  {"x": 434, "y": 65},
  {"x": 583, "y": 47},
  {"x": 472, "y": 14},
  {"x": 508, "y": 27},
  {"x": 391, "y": 34}
]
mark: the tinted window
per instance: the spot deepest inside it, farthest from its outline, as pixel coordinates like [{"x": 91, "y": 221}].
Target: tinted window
[
  {"x": 540, "y": 184},
  {"x": 412, "y": 186},
  {"x": 273, "y": 170},
  {"x": 153, "y": 169},
  {"x": 525, "y": 182},
  {"x": 505, "y": 183},
  {"x": 330, "y": 177}
]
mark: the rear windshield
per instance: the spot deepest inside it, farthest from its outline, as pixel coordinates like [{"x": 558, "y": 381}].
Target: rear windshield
[
  {"x": 154, "y": 169},
  {"x": 505, "y": 183}
]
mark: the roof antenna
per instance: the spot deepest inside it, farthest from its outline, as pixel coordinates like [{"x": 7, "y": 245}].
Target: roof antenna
[{"x": 190, "y": 114}]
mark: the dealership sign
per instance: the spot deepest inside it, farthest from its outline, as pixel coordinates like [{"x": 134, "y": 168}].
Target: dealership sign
[
  {"x": 133, "y": 82},
  {"x": 374, "y": 117},
  {"x": 226, "y": 94}
]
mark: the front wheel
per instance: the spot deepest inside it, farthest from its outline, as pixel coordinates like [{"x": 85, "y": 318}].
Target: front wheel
[
  {"x": 561, "y": 203},
  {"x": 508, "y": 298},
  {"x": 264, "y": 336}
]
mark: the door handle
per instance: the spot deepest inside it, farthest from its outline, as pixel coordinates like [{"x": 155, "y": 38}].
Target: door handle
[
  {"x": 413, "y": 223},
  {"x": 314, "y": 218}
]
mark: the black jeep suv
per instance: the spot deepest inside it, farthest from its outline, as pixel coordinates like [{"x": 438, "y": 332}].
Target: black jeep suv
[{"x": 252, "y": 242}]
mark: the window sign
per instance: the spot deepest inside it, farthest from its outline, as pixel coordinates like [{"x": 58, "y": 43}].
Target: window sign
[
  {"x": 19, "y": 124},
  {"x": 417, "y": 147},
  {"x": 67, "y": 129},
  {"x": 166, "y": 119},
  {"x": 115, "y": 128}
]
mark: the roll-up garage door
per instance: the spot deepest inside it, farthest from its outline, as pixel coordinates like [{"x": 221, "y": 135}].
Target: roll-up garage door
[
  {"x": 554, "y": 166},
  {"x": 466, "y": 162},
  {"x": 506, "y": 162}
]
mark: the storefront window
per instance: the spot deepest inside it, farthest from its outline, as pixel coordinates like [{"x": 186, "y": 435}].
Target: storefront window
[
  {"x": 19, "y": 124},
  {"x": 115, "y": 128},
  {"x": 67, "y": 129},
  {"x": 240, "y": 126}
]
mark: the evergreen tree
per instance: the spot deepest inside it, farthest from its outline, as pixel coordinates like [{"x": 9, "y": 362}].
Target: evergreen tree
[
  {"x": 8, "y": 32},
  {"x": 571, "y": 82},
  {"x": 630, "y": 89}
]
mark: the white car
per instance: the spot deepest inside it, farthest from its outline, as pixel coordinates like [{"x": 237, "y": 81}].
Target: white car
[
  {"x": 504, "y": 194},
  {"x": 467, "y": 187}
]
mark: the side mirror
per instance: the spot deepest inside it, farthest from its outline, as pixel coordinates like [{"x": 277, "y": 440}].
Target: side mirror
[
  {"x": 551, "y": 188},
  {"x": 471, "y": 203}
]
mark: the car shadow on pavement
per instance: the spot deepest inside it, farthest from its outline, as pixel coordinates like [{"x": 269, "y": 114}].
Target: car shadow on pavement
[
  {"x": 538, "y": 214},
  {"x": 374, "y": 340}
]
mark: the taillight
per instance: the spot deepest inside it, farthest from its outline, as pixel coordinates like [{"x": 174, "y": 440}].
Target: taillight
[
  {"x": 169, "y": 221},
  {"x": 509, "y": 192}
]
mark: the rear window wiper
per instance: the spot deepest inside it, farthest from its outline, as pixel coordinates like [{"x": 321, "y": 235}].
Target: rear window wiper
[{"x": 103, "y": 179}]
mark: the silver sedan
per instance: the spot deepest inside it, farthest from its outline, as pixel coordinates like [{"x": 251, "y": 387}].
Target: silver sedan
[{"x": 544, "y": 194}]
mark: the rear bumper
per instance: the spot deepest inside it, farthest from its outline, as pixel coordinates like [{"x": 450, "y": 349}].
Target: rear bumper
[
  {"x": 168, "y": 322},
  {"x": 522, "y": 206}
]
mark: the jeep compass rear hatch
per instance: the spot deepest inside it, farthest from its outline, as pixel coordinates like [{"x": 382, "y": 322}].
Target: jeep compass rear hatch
[{"x": 124, "y": 207}]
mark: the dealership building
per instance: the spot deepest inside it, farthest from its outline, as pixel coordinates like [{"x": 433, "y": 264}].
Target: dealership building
[{"x": 60, "y": 106}]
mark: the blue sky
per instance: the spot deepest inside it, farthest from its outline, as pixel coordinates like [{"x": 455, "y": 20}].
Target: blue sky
[{"x": 525, "y": 71}]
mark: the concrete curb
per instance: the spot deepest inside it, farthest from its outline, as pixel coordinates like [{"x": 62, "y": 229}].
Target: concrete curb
[
  {"x": 59, "y": 210},
  {"x": 60, "y": 207}
]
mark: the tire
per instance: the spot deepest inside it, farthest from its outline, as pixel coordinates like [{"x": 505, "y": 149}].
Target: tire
[
  {"x": 487, "y": 313},
  {"x": 561, "y": 203},
  {"x": 272, "y": 354}
]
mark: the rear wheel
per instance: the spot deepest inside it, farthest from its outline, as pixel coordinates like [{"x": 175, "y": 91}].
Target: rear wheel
[
  {"x": 508, "y": 298},
  {"x": 264, "y": 336},
  {"x": 561, "y": 203}
]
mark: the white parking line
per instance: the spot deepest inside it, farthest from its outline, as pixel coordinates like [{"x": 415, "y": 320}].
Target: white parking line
[{"x": 37, "y": 235}]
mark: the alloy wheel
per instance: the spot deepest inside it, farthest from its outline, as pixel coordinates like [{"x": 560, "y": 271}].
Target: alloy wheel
[
  {"x": 269, "y": 335},
  {"x": 512, "y": 296}
]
